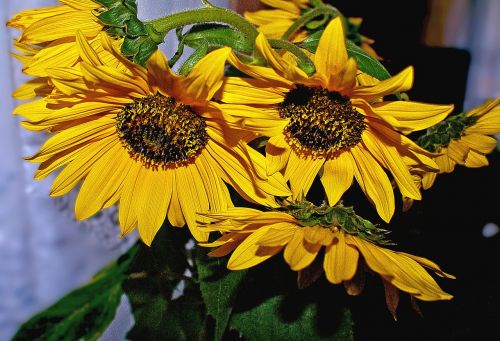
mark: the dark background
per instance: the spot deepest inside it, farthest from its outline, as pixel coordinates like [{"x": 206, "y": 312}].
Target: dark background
[{"x": 446, "y": 226}]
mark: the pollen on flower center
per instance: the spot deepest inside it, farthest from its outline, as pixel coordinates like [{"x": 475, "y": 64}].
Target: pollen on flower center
[
  {"x": 321, "y": 122},
  {"x": 160, "y": 132}
]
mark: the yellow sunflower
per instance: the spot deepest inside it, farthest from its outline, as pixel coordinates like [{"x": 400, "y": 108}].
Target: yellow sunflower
[
  {"x": 275, "y": 22},
  {"x": 48, "y": 40},
  {"x": 146, "y": 139},
  {"x": 470, "y": 145},
  {"x": 253, "y": 236},
  {"x": 330, "y": 123}
]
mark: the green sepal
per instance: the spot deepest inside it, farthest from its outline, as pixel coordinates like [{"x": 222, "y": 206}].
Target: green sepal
[
  {"x": 135, "y": 27},
  {"x": 116, "y": 16},
  {"x": 84, "y": 313},
  {"x": 193, "y": 59},
  {"x": 216, "y": 36},
  {"x": 441, "y": 134},
  {"x": 219, "y": 288},
  {"x": 116, "y": 31}
]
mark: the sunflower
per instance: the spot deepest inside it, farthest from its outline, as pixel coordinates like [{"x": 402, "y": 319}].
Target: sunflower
[
  {"x": 330, "y": 124},
  {"x": 148, "y": 139},
  {"x": 302, "y": 230},
  {"x": 275, "y": 22},
  {"x": 467, "y": 143},
  {"x": 48, "y": 40}
]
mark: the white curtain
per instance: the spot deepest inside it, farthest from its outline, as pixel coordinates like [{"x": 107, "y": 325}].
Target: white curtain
[{"x": 44, "y": 253}]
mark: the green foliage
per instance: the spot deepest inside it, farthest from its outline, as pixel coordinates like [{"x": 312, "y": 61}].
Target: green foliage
[
  {"x": 84, "y": 313},
  {"x": 152, "y": 278},
  {"x": 218, "y": 287},
  {"x": 269, "y": 306}
]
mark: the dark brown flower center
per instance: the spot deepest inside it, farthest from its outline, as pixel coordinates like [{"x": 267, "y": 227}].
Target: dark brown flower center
[
  {"x": 160, "y": 132},
  {"x": 321, "y": 122}
]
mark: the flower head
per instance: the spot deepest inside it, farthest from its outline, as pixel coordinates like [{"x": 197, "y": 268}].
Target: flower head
[
  {"x": 303, "y": 231},
  {"x": 334, "y": 123},
  {"x": 463, "y": 139},
  {"x": 147, "y": 139},
  {"x": 48, "y": 40}
]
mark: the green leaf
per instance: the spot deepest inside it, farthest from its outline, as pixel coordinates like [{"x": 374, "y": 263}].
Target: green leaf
[
  {"x": 193, "y": 59},
  {"x": 152, "y": 279},
  {"x": 216, "y": 36},
  {"x": 109, "y": 3},
  {"x": 84, "y": 313},
  {"x": 219, "y": 287},
  {"x": 146, "y": 49},
  {"x": 269, "y": 306},
  {"x": 366, "y": 62}
]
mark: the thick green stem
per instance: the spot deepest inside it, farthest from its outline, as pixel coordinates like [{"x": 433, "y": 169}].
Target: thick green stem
[
  {"x": 206, "y": 15},
  {"x": 308, "y": 16},
  {"x": 304, "y": 61}
]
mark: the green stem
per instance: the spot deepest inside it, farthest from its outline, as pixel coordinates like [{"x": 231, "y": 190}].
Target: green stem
[
  {"x": 308, "y": 16},
  {"x": 304, "y": 61},
  {"x": 206, "y": 15}
]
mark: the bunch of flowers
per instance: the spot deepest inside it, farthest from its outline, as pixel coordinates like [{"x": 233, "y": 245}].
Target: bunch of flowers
[{"x": 229, "y": 145}]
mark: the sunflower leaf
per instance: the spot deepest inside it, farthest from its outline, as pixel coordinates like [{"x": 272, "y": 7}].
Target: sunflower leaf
[
  {"x": 84, "y": 313},
  {"x": 367, "y": 63},
  {"x": 269, "y": 306},
  {"x": 219, "y": 287},
  {"x": 156, "y": 272}
]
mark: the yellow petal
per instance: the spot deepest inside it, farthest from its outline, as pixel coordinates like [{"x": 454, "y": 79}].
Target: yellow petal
[
  {"x": 316, "y": 235},
  {"x": 331, "y": 56},
  {"x": 61, "y": 26},
  {"x": 278, "y": 63},
  {"x": 476, "y": 160},
  {"x": 131, "y": 199},
  {"x": 299, "y": 253},
  {"x": 278, "y": 234},
  {"x": 401, "y": 82},
  {"x": 103, "y": 180},
  {"x": 481, "y": 143},
  {"x": 388, "y": 156},
  {"x": 175, "y": 215},
  {"x": 192, "y": 198},
  {"x": 204, "y": 79},
  {"x": 341, "y": 260},
  {"x": 217, "y": 192},
  {"x": 374, "y": 182},
  {"x": 157, "y": 187},
  {"x": 79, "y": 168},
  {"x": 259, "y": 72},
  {"x": 302, "y": 177},
  {"x": 277, "y": 154},
  {"x": 238, "y": 90},
  {"x": 410, "y": 116},
  {"x": 401, "y": 271},
  {"x": 249, "y": 253},
  {"x": 337, "y": 176}
]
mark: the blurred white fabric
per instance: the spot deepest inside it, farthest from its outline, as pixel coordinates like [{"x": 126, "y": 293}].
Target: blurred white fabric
[{"x": 44, "y": 253}]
